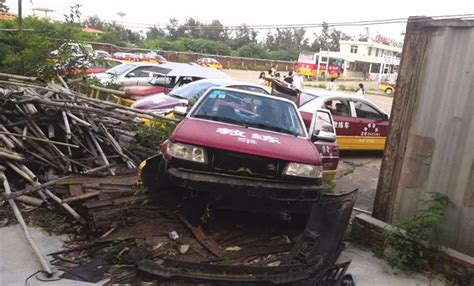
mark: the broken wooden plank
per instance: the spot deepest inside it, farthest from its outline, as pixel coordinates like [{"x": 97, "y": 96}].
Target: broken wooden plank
[{"x": 211, "y": 245}]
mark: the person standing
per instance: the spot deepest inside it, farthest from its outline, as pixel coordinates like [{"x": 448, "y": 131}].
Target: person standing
[
  {"x": 289, "y": 78},
  {"x": 332, "y": 86},
  {"x": 273, "y": 71},
  {"x": 298, "y": 80},
  {"x": 261, "y": 79},
  {"x": 361, "y": 92}
]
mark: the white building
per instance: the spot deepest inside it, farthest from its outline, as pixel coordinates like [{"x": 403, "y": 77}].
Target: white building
[
  {"x": 368, "y": 60},
  {"x": 370, "y": 57}
]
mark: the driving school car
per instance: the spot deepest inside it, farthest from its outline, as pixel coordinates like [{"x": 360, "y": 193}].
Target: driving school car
[
  {"x": 360, "y": 124},
  {"x": 242, "y": 144}
]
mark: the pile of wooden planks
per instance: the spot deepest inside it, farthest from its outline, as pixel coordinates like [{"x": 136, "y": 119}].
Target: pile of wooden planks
[{"x": 49, "y": 132}]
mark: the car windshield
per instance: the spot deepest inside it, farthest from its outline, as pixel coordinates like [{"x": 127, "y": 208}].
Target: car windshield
[
  {"x": 120, "y": 69},
  {"x": 193, "y": 90},
  {"x": 250, "y": 110},
  {"x": 306, "y": 97}
]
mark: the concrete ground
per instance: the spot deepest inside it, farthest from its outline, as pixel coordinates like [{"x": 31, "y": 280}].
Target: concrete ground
[
  {"x": 17, "y": 260},
  {"x": 367, "y": 270},
  {"x": 359, "y": 170}
]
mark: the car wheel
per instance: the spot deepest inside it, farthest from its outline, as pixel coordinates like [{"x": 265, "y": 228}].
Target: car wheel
[
  {"x": 388, "y": 91},
  {"x": 153, "y": 175}
]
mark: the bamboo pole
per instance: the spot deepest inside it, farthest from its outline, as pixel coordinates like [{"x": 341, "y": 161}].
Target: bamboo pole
[
  {"x": 44, "y": 263},
  {"x": 39, "y": 139},
  {"x": 101, "y": 152}
]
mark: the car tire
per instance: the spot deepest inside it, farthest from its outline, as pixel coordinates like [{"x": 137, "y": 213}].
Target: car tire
[
  {"x": 388, "y": 91},
  {"x": 153, "y": 175}
]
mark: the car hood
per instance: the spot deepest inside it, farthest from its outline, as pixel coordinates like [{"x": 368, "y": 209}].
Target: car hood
[
  {"x": 246, "y": 140},
  {"x": 156, "y": 102}
]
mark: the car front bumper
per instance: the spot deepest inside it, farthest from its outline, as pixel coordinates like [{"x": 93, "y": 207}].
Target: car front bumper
[{"x": 251, "y": 187}]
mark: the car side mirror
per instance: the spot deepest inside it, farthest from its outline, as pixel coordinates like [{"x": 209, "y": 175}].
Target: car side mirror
[
  {"x": 131, "y": 74},
  {"x": 180, "y": 110},
  {"x": 323, "y": 136},
  {"x": 385, "y": 117},
  {"x": 323, "y": 128}
]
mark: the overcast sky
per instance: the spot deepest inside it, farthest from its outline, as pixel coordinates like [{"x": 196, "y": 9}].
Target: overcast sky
[{"x": 256, "y": 12}]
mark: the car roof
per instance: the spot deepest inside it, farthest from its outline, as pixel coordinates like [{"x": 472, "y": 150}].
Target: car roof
[
  {"x": 186, "y": 69},
  {"x": 325, "y": 92}
]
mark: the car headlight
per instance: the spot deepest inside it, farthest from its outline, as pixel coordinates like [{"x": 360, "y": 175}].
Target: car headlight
[
  {"x": 187, "y": 152},
  {"x": 303, "y": 170}
]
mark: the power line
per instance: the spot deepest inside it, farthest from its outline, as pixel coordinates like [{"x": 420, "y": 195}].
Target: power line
[{"x": 305, "y": 26}]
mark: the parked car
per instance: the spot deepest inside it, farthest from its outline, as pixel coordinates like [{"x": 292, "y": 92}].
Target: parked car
[
  {"x": 131, "y": 73},
  {"x": 179, "y": 74},
  {"x": 243, "y": 144},
  {"x": 209, "y": 62},
  {"x": 360, "y": 124},
  {"x": 162, "y": 103},
  {"x": 102, "y": 54},
  {"x": 388, "y": 87}
]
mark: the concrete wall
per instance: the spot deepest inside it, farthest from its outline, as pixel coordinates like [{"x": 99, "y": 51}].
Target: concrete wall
[
  {"x": 433, "y": 130},
  {"x": 226, "y": 61}
]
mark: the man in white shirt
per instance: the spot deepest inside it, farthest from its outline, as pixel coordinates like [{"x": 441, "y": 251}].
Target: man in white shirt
[{"x": 298, "y": 80}]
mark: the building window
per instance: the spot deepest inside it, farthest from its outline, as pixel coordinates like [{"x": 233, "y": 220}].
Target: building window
[
  {"x": 370, "y": 51},
  {"x": 376, "y": 52},
  {"x": 353, "y": 49}
]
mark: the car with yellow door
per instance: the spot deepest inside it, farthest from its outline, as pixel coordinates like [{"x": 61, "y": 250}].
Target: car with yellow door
[{"x": 360, "y": 124}]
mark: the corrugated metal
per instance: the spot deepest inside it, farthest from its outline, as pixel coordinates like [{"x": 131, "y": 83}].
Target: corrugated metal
[{"x": 439, "y": 155}]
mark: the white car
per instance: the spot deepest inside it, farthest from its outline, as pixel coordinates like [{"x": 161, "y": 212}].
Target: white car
[
  {"x": 131, "y": 73},
  {"x": 102, "y": 54}
]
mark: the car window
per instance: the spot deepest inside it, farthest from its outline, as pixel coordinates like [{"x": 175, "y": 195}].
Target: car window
[
  {"x": 250, "y": 88},
  {"x": 246, "y": 109},
  {"x": 140, "y": 72},
  {"x": 364, "y": 110},
  {"x": 338, "y": 107},
  {"x": 193, "y": 90},
  {"x": 323, "y": 119},
  {"x": 306, "y": 97},
  {"x": 120, "y": 69}
]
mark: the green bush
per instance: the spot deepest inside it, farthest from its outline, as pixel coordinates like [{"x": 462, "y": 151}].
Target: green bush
[{"x": 413, "y": 244}]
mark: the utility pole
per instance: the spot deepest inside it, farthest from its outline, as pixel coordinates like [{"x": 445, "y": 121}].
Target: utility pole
[{"x": 20, "y": 17}]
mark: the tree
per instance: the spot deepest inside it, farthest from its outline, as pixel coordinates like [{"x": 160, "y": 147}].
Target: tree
[
  {"x": 328, "y": 39},
  {"x": 252, "y": 51},
  {"x": 214, "y": 31},
  {"x": 94, "y": 22},
  {"x": 173, "y": 29},
  {"x": 4, "y": 8},
  {"x": 191, "y": 28},
  {"x": 244, "y": 36},
  {"x": 155, "y": 33}
]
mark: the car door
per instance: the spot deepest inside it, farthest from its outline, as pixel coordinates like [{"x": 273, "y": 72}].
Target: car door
[
  {"x": 323, "y": 136},
  {"x": 370, "y": 127},
  {"x": 341, "y": 111},
  {"x": 133, "y": 76}
]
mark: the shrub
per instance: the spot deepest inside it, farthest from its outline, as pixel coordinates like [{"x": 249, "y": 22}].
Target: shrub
[{"x": 413, "y": 244}]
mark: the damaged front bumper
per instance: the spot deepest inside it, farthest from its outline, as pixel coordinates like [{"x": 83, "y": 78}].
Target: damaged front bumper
[
  {"x": 250, "y": 187},
  {"x": 312, "y": 260}
]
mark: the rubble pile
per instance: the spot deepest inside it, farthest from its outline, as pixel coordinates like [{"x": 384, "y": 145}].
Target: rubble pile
[{"x": 49, "y": 131}]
